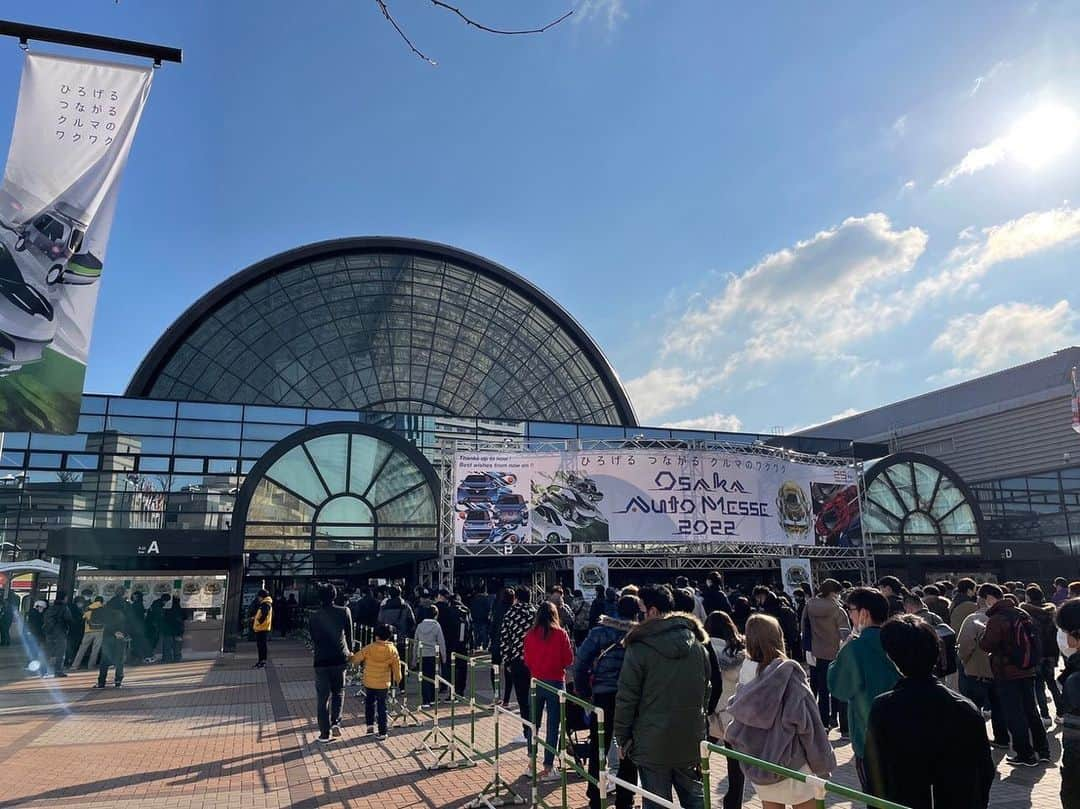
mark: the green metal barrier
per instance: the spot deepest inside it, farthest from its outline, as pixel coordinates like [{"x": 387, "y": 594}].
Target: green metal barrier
[
  {"x": 822, "y": 786},
  {"x": 563, "y": 750}
]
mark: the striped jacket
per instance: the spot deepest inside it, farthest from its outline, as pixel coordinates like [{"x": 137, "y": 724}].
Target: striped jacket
[{"x": 516, "y": 623}]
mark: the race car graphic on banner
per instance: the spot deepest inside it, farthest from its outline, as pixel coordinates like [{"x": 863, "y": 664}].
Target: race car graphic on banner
[{"x": 645, "y": 496}]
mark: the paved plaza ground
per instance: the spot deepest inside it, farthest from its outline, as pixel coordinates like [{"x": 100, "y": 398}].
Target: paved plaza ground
[{"x": 215, "y": 733}]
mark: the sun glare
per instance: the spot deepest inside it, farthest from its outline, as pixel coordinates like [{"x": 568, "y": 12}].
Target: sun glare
[{"x": 1043, "y": 134}]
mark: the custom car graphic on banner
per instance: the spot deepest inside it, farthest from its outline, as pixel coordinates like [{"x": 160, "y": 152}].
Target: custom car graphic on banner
[
  {"x": 652, "y": 496},
  {"x": 74, "y": 126}
]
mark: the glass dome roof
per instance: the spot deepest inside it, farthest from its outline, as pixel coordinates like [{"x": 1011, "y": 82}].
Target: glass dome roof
[{"x": 385, "y": 324}]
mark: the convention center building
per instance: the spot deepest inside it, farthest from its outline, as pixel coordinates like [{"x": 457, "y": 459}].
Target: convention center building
[{"x": 299, "y": 420}]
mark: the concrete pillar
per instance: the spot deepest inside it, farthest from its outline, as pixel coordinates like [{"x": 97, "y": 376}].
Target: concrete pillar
[
  {"x": 234, "y": 593},
  {"x": 66, "y": 581}
]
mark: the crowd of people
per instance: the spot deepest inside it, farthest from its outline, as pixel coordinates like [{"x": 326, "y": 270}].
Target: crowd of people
[
  {"x": 88, "y": 632},
  {"x": 909, "y": 677}
]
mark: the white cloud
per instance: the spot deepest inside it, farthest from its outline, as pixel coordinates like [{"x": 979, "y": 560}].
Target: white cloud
[
  {"x": 1005, "y": 335},
  {"x": 981, "y": 81},
  {"x": 719, "y": 422},
  {"x": 843, "y": 414},
  {"x": 662, "y": 390},
  {"x": 816, "y": 296},
  {"x": 899, "y": 127},
  {"x": 976, "y": 254},
  {"x": 907, "y": 187},
  {"x": 612, "y": 12},
  {"x": 1045, "y": 133}
]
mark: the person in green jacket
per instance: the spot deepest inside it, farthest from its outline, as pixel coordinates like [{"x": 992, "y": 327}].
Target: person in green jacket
[
  {"x": 862, "y": 670},
  {"x": 662, "y": 699}
]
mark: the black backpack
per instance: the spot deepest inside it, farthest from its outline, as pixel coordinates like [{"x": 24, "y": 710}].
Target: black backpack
[{"x": 947, "y": 656}]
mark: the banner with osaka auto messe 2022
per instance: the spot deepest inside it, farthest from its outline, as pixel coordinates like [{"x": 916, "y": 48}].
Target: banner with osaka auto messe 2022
[
  {"x": 74, "y": 126},
  {"x": 634, "y": 495}
]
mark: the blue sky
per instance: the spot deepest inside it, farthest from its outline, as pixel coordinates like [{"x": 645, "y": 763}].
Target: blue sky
[{"x": 765, "y": 216}]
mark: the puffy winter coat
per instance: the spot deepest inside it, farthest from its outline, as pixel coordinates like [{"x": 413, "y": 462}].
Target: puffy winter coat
[
  {"x": 600, "y": 658},
  {"x": 663, "y": 692},
  {"x": 382, "y": 666},
  {"x": 775, "y": 717}
]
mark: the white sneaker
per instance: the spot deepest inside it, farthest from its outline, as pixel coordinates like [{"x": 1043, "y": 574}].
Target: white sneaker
[
  {"x": 519, "y": 739},
  {"x": 550, "y": 775}
]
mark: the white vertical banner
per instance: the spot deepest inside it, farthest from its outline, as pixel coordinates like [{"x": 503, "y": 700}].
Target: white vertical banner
[
  {"x": 74, "y": 126},
  {"x": 795, "y": 572},
  {"x": 590, "y": 572}
]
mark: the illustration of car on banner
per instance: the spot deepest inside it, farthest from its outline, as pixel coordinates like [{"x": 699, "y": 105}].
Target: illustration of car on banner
[
  {"x": 838, "y": 518},
  {"x": 27, "y": 314},
  {"x": 793, "y": 509},
  {"x": 548, "y": 525},
  {"x": 482, "y": 487},
  {"x": 479, "y": 524},
  {"x": 56, "y": 235},
  {"x": 590, "y": 576},
  {"x": 511, "y": 509}
]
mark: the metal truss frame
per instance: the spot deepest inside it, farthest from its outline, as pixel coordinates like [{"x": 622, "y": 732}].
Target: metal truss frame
[{"x": 657, "y": 555}]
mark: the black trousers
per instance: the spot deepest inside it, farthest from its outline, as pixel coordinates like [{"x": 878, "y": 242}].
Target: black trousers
[
  {"x": 1022, "y": 716},
  {"x": 521, "y": 677},
  {"x": 1070, "y": 773},
  {"x": 329, "y": 696},
  {"x": 260, "y": 644},
  {"x": 624, "y": 798},
  {"x": 1044, "y": 681},
  {"x": 427, "y": 672},
  {"x": 113, "y": 651},
  {"x": 985, "y": 692}
]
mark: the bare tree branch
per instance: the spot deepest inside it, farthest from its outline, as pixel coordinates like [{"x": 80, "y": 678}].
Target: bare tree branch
[
  {"x": 467, "y": 20},
  {"x": 482, "y": 27},
  {"x": 393, "y": 22}
]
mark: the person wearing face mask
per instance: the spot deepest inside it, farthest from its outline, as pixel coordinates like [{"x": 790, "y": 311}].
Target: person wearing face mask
[
  {"x": 862, "y": 670},
  {"x": 1068, "y": 641}
]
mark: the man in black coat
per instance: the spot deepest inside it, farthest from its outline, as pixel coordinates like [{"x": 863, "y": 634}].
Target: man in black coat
[
  {"x": 926, "y": 746},
  {"x": 114, "y": 639},
  {"x": 331, "y": 629},
  {"x": 450, "y": 620}
]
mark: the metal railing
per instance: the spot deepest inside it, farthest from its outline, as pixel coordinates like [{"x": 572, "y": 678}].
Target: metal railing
[{"x": 821, "y": 786}]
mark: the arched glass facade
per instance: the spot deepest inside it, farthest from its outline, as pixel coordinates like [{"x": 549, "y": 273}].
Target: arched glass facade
[
  {"x": 916, "y": 505},
  {"x": 339, "y": 488},
  {"x": 386, "y": 324}
]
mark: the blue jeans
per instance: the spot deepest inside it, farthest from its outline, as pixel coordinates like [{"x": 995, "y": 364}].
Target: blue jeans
[
  {"x": 685, "y": 780},
  {"x": 546, "y": 699}
]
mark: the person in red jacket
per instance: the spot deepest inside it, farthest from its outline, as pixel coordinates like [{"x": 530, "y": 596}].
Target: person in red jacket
[{"x": 547, "y": 656}]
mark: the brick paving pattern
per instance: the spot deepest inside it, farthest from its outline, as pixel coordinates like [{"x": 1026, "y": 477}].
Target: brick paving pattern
[{"x": 204, "y": 734}]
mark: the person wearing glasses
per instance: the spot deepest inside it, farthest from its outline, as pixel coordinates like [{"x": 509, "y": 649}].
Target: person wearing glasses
[{"x": 862, "y": 670}]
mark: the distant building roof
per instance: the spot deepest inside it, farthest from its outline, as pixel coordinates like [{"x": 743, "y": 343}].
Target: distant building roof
[{"x": 1040, "y": 380}]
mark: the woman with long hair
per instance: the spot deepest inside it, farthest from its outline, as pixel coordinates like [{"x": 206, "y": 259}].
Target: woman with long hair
[
  {"x": 775, "y": 717},
  {"x": 502, "y": 603},
  {"x": 730, "y": 649},
  {"x": 547, "y": 656}
]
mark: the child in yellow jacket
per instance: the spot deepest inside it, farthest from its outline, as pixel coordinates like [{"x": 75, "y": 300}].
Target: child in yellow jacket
[{"x": 382, "y": 668}]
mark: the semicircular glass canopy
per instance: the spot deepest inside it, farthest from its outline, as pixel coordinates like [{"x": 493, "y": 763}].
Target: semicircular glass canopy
[
  {"x": 342, "y": 491},
  {"x": 392, "y": 332},
  {"x": 916, "y": 508}
]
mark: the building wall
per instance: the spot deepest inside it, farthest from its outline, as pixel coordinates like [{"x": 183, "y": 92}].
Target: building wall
[{"x": 1029, "y": 438}]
